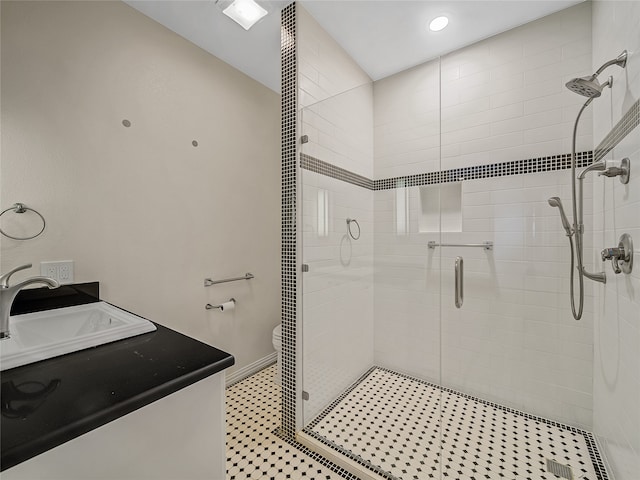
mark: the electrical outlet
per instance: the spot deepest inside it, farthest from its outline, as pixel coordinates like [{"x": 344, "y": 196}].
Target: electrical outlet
[
  {"x": 62, "y": 272},
  {"x": 65, "y": 271},
  {"x": 49, "y": 269}
]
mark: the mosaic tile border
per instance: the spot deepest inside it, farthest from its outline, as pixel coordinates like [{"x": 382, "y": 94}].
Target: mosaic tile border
[
  {"x": 596, "y": 459},
  {"x": 325, "y": 168},
  {"x": 289, "y": 127},
  {"x": 627, "y": 123},
  {"x": 514, "y": 167}
]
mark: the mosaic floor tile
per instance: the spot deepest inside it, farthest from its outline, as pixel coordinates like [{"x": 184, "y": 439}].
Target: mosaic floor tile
[
  {"x": 393, "y": 423},
  {"x": 253, "y": 409}
]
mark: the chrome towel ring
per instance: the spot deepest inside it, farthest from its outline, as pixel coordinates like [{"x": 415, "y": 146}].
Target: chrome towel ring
[
  {"x": 349, "y": 222},
  {"x": 21, "y": 208}
]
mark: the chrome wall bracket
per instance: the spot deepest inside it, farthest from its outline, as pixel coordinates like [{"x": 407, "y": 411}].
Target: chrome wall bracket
[{"x": 623, "y": 171}]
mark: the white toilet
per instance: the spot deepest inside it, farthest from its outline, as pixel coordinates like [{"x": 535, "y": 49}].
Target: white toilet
[{"x": 277, "y": 344}]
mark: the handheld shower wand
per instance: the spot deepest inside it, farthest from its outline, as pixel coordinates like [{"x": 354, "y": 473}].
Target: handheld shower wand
[{"x": 556, "y": 202}]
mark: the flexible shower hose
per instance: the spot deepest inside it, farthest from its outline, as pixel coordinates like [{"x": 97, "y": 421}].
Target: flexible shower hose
[
  {"x": 576, "y": 315},
  {"x": 576, "y": 226}
]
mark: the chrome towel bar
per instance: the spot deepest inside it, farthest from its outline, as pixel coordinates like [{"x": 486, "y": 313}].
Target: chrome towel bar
[
  {"x": 208, "y": 282},
  {"x": 486, "y": 245}
]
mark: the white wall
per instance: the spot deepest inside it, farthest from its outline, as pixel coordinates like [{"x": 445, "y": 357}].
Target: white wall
[
  {"x": 617, "y": 211},
  {"x": 514, "y": 341},
  {"x": 337, "y": 116},
  {"x": 140, "y": 209}
]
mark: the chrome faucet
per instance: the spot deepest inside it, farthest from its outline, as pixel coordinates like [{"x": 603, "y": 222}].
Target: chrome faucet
[{"x": 8, "y": 295}]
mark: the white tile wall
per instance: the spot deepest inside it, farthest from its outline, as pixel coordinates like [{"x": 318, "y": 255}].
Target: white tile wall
[
  {"x": 616, "y": 211},
  {"x": 407, "y": 122},
  {"x": 502, "y": 99},
  {"x": 325, "y": 69},
  {"x": 340, "y": 130}
]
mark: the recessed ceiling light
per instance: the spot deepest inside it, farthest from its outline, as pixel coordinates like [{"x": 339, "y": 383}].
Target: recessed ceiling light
[
  {"x": 244, "y": 12},
  {"x": 438, "y": 24}
]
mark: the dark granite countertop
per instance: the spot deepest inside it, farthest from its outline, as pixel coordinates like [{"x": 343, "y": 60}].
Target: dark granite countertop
[{"x": 47, "y": 403}]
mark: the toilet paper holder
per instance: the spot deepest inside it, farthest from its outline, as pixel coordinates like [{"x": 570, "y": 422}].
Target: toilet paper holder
[{"x": 222, "y": 306}]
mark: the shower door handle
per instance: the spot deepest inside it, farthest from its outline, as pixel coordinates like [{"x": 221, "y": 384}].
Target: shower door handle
[{"x": 459, "y": 269}]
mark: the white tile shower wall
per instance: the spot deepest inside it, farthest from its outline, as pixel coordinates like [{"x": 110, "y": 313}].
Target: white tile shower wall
[
  {"x": 338, "y": 288},
  {"x": 617, "y": 211},
  {"x": 337, "y": 116},
  {"x": 514, "y": 341},
  {"x": 325, "y": 69},
  {"x": 407, "y": 122},
  {"x": 502, "y": 99},
  {"x": 336, "y": 100},
  {"x": 340, "y": 130}
]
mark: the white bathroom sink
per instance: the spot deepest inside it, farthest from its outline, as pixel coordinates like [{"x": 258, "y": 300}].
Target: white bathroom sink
[{"x": 41, "y": 335}]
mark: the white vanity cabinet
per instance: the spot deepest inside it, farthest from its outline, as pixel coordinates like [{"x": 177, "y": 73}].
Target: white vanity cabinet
[{"x": 179, "y": 437}]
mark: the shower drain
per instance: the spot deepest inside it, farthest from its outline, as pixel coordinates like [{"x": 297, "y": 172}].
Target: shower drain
[{"x": 559, "y": 469}]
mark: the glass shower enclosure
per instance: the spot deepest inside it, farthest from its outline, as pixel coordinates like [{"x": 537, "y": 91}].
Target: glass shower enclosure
[{"x": 435, "y": 304}]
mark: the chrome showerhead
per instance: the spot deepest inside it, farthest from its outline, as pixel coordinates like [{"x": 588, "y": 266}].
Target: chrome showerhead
[
  {"x": 556, "y": 202},
  {"x": 589, "y": 86},
  {"x": 586, "y": 86}
]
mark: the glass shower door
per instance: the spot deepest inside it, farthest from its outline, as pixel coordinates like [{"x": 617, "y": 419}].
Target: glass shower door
[
  {"x": 337, "y": 247},
  {"x": 370, "y": 162}
]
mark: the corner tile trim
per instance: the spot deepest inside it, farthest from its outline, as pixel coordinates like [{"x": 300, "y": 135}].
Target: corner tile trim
[
  {"x": 627, "y": 123},
  {"x": 288, "y": 263}
]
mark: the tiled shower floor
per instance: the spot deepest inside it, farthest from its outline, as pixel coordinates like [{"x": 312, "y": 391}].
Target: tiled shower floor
[{"x": 392, "y": 421}]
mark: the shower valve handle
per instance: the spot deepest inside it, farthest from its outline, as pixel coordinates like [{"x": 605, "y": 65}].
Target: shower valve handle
[
  {"x": 621, "y": 256},
  {"x": 613, "y": 254}
]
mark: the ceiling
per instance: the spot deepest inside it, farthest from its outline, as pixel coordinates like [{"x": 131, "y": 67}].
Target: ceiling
[{"x": 383, "y": 36}]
